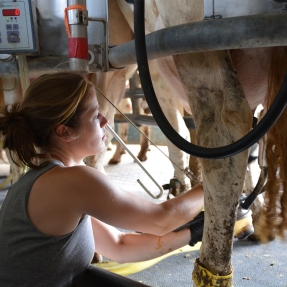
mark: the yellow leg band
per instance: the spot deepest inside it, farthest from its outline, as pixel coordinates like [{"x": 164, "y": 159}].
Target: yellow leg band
[{"x": 204, "y": 278}]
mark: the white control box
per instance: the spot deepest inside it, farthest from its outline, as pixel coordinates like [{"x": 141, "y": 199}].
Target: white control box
[{"x": 18, "y": 27}]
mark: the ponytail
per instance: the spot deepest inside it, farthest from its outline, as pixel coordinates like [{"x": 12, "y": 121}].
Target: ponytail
[{"x": 19, "y": 138}]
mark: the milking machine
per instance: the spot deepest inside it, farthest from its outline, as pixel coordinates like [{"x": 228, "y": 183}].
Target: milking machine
[{"x": 38, "y": 37}]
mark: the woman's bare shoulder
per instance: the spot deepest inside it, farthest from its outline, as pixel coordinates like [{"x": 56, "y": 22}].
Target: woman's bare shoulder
[
  {"x": 71, "y": 175},
  {"x": 70, "y": 183},
  {"x": 62, "y": 195}
]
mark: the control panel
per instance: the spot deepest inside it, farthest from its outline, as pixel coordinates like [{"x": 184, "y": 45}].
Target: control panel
[{"x": 17, "y": 27}]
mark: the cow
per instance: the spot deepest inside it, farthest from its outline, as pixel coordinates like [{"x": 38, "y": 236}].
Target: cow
[
  {"x": 222, "y": 89},
  {"x": 112, "y": 84}
]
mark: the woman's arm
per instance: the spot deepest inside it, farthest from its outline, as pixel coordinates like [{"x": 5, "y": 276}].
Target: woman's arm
[
  {"x": 135, "y": 247},
  {"x": 61, "y": 196},
  {"x": 101, "y": 198}
]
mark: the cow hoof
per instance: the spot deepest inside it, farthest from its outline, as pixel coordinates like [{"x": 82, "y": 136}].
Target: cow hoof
[
  {"x": 142, "y": 157},
  {"x": 245, "y": 232},
  {"x": 243, "y": 225},
  {"x": 176, "y": 188},
  {"x": 114, "y": 161}
]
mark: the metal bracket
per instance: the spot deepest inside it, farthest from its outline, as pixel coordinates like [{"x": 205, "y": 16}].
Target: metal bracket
[
  {"x": 98, "y": 58},
  {"x": 217, "y": 9},
  {"x": 98, "y": 54},
  {"x": 139, "y": 163}
]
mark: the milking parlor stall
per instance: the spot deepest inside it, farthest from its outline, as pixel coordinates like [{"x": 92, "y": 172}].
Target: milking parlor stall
[{"x": 38, "y": 37}]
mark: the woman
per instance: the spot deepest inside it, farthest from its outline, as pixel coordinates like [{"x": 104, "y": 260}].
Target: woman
[{"x": 60, "y": 212}]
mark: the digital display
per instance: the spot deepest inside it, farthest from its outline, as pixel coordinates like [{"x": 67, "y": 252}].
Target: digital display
[{"x": 11, "y": 12}]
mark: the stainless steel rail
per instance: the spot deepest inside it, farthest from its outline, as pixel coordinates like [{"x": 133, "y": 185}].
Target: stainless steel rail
[{"x": 263, "y": 30}]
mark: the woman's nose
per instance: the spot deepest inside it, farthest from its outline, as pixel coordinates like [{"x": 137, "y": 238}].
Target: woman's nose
[{"x": 104, "y": 120}]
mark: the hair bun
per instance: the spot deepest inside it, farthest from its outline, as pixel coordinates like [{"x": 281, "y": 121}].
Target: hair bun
[{"x": 10, "y": 116}]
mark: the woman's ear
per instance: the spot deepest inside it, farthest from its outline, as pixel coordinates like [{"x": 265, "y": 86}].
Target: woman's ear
[{"x": 64, "y": 133}]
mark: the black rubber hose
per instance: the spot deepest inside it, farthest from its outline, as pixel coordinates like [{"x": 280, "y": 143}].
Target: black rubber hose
[
  {"x": 209, "y": 153},
  {"x": 257, "y": 190}
]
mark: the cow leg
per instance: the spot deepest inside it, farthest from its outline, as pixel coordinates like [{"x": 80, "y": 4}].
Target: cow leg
[
  {"x": 167, "y": 95},
  {"x": 252, "y": 175},
  {"x": 173, "y": 113},
  {"x": 255, "y": 73},
  {"x": 146, "y": 130},
  {"x": 222, "y": 116},
  {"x": 123, "y": 134},
  {"x": 113, "y": 83},
  {"x": 123, "y": 128},
  {"x": 144, "y": 143}
]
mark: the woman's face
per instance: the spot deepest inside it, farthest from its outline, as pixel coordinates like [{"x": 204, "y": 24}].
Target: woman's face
[{"x": 92, "y": 133}]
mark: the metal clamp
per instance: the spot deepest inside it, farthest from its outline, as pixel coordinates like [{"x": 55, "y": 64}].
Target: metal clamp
[
  {"x": 139, "y": 163},
  {"x": 99, "y": 53}
]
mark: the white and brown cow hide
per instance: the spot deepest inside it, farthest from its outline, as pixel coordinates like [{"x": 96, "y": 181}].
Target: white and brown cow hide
[{"x": 222, "y": 89}]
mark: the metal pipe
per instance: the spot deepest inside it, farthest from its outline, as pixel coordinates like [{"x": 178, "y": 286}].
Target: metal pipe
[
  {"x": 139, "y": 163},
  {"x": 78, "y": 37},
  {"x": 229, "y": 33}
]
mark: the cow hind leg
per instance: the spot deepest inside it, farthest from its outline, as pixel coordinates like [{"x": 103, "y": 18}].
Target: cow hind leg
[
  {"x": 144, "y": 143},
  {"x": 222, "y": 115},
  {"x": 123, "y": 134},
  {"x": 173, "y": 112}
]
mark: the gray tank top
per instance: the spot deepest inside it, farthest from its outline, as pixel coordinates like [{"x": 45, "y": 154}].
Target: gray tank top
[{"x": 30, "y": 258}]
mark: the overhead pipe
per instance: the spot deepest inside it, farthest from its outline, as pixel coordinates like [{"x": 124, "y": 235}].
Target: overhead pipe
[
  {"x": 209, "y": 35},
  {"x": 263, "y": 30}
]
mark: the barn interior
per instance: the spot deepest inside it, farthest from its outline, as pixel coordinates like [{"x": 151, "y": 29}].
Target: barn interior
[{"x": 255, "y": 264}]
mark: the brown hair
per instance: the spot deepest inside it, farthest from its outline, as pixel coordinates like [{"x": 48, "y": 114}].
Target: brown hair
[{"x": 50, "y": 100}]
